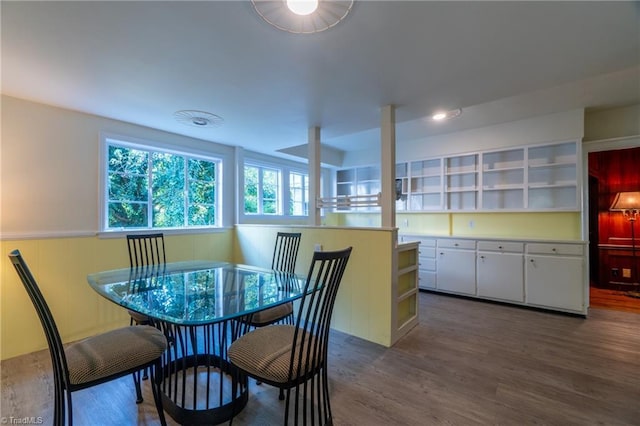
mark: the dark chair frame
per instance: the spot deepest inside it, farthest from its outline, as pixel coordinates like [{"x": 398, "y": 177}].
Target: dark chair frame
[
  {"x": 285, "y": 252},
  {"x": 311, "y": 335},
  {"x": 144, "y": 250},
  {"x": 62, "y": 381}
]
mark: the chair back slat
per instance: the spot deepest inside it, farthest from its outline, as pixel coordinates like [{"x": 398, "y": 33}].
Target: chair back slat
[
  {"x": 285, "y": 252},
  {"x": 56, "y": 349},
  {"x": 315, "y": 310},
  {"x": 146, "y": 249}
]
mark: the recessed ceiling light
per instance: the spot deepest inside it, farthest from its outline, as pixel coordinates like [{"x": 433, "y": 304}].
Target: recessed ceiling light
[
  {"x": 196, "y": 118},
  {"x": 446, "y": 115}
]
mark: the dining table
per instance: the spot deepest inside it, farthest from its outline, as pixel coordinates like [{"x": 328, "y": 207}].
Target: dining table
[{"x": 202, "y": 306}]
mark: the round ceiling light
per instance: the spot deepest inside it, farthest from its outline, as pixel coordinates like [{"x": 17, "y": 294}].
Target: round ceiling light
[
  {"x": 302, "y": 7},
  {"x": 196, "y": 118},
  {"x": 303, "y": 16}
]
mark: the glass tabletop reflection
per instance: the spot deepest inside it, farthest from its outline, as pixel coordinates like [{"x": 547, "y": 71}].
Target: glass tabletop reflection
[{"x": 197, "y": 292}]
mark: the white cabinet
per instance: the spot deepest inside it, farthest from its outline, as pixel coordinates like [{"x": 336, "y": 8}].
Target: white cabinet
[
  {"x": 554, "y": 276},
  {"x": 553, "y": 177},
  {"x": 404, "y": 310},
  {"x": 539, "y": 274},
  {"x": 503, "y": 179},
  {"x": 358, "y": 181},
  {"x": 456, "y": 266},
  {"x": 533, "y": 177},
  {"x": 500, "y": 270},
  {"x": 425, "y": 185},
  {"x": 461, "y": 184},
  {"x": 426, "y": 261}
]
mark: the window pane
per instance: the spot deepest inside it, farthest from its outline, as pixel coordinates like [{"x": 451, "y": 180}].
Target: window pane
[
  {"x": 250, "y": 189},
  {"x": 202, "y": 170},
  {"x": 202, "y": 215},
  {"x": 180, "y": 190},
  {"x": 270, "y": 180},
  {"x": 128, "y": 188},
  {"x": 168, "y": 190},
  {"x": 128, "y": 161},
  {"x": 298, "y": 194},
  {"x": 128, "y": 215}
]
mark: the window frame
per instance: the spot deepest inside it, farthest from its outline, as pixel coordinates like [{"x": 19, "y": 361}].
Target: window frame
[
  {"x": 107, "y": 140},
  {"x": 285, "y": 169}
]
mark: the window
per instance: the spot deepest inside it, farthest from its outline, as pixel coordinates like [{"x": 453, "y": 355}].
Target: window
[
  {"x": 275, "y": 189},
  {"x": 151, "y": 188},
  {"x": 298, "y": 194},
  {"x": 261, "y": 190}
]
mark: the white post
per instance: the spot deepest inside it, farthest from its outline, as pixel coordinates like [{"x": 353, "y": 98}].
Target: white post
[
  {"x": 315, "y": 174},
  {"x": 388, "y": 165}
]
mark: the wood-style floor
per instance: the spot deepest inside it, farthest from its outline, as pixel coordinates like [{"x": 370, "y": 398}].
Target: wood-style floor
[
  {"x": 613, "y": 299},
  {"x": 467, "y": 363}
]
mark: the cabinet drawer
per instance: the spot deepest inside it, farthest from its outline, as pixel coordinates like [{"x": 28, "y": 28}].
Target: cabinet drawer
[
  {"x": 550, "y": 248},
  {"x": 501, "y": 246},
  {"x": 457, "y": 244},
  {"x": 427, "y": 252},
  {"x": 427, "y": 264}
]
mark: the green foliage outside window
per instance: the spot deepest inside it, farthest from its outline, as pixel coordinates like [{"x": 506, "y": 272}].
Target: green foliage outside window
[{"x": 168, "y": 190}]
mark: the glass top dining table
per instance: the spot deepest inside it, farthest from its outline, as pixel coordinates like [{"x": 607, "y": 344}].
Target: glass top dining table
[
  {"x": 201, "y": 306},
  {"x": 197, "y": 292}
]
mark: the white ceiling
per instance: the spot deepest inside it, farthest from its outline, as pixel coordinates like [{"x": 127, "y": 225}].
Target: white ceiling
[{"x": 499, "y": 61}]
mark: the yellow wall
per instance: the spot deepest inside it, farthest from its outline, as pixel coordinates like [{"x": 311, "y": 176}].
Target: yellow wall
[
  {"x": 61, "y": 266},
  {"x": 363, "y": 305},
  {"x": 535, "y": 225}
]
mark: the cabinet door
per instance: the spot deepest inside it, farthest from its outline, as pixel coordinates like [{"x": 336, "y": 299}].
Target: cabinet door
[
  {"x": 501, "y": 276},
  {"x": 555, "y": 281},
  {"x": 457, "y": 271}
]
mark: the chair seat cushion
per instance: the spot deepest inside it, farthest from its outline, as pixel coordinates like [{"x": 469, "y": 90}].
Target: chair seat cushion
[
  {"x": 265, "y": 353},
  {"x": 113, "y": 352},
  {"x": 271, "y": 315}
]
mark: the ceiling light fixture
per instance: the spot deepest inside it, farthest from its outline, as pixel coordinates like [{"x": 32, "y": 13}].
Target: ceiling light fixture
[
  {"x": 302, "y": 7},
  {"x": 446, "y": 115},
  {"x": 303, "y": 16},
  {"x": 196, "y": 118}
]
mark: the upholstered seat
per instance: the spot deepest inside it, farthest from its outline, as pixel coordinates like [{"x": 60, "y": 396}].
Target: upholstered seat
[
  {"x": 267, "y": 353},
  {"x": 97, "y": 359},
  {"x": 112, "y": 352},
  {"x": 295, "y": 356},
  {"x": 271, "y": 315}
]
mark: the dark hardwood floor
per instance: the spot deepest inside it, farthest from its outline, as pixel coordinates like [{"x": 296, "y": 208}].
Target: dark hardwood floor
[{"x": 467, "y": 363}]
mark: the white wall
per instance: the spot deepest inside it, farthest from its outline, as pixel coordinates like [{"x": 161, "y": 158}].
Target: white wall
[
  {"x": 50, "y": 168},
  {"x": 557, "y": 127}
]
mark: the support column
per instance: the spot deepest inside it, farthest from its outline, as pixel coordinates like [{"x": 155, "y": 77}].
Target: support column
[
  {"x": 315, "y": 174},
  {"x": 388, "y": 165}
]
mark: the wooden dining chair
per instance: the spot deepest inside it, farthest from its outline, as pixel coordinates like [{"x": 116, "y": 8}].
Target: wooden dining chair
[
  {"x": 144, "y": 250},
  {"x": 97, "y": 359},
  {"x": 292, "y": 356}
]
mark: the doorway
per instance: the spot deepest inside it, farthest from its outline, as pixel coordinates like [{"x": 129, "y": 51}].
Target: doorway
[{"x": 613, "y": 262}]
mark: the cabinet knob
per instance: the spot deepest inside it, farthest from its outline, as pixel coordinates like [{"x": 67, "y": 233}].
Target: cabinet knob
[
  {"x": 482, "y": 257},
  {"x": 456, "y": 244},
  {"x": 531, "y": 260},
  {"x": 500, "y": 247}
]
